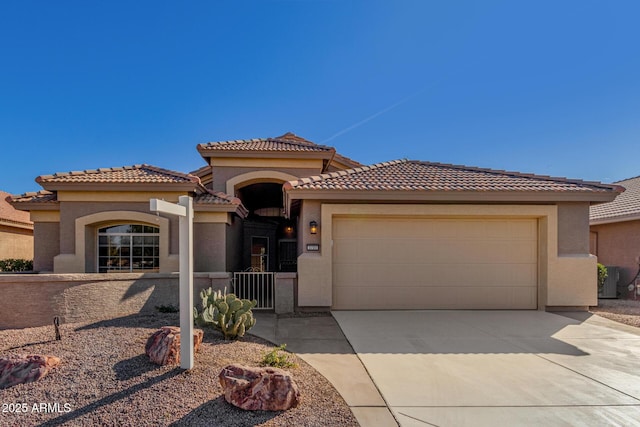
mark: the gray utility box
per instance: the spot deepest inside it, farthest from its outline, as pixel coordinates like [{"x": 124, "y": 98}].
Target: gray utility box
[{"x": 610, "y": 288}]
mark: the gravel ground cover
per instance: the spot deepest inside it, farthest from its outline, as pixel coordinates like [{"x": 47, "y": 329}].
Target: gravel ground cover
[
  {"x": 620, "y": 310},
  {"x": 105, "y": 379}
]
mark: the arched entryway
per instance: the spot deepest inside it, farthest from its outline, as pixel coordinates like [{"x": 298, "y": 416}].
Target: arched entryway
[{"x": 269, "y": 240}]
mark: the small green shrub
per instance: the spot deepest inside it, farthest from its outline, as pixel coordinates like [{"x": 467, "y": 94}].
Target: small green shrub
[
  {"x": 225, "y": 312},
  {"x": 277, "y": 359},
  {"x": 602, "y": 276},
  {"x": 11, "y": 265}
]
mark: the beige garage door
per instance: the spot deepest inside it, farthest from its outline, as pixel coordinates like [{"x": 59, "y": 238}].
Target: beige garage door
[{"x": 442, "y": 263}]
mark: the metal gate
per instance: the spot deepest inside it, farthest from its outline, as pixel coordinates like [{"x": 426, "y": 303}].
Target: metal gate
[{"x": 255, "y": 286}]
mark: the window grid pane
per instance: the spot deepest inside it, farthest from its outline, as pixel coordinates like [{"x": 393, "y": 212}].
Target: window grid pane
[{"x": 128, "y": 247}]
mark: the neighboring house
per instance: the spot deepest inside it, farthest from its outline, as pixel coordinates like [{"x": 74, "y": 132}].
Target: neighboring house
[
  {"x": 16, "y": 231},
  {"x": 615, "y": 233},
  {"x": 395, "y": 235}
]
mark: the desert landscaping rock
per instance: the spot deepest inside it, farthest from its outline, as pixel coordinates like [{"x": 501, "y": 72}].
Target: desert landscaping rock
[
  {"x": 163, "y": 347},
  {"x": 105, "y": 379},
  {"x": 16, "y": 370},
  {"x": 253, "y": 389},
  {"x": 620, "y": 310}
]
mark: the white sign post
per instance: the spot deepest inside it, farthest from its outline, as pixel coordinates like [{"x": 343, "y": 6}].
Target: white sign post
[{"x": 184, "y": 211}]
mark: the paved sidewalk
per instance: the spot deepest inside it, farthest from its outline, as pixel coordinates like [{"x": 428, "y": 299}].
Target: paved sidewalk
[{"x": 320, "y": 342}]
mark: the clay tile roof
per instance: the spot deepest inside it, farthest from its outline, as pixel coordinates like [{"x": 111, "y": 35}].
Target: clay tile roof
[
  {"x": 139, "y": 174},
  {"x": 9, "y": 214},
  {"x": 215, "y": 198},
  {"x": 347, "y": 161},
  {"x": 625, "y": 206},
  {"x": 204, "y": 170},
  {"x": 41, "y": 196},
  {"x": 286, "y": 142},
  {"x": 209, "y": 197},
  {"x": 411, "y": 175}
]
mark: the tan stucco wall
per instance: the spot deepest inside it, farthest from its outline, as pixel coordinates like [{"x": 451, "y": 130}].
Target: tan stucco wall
[
  {"x": 209, "y": 247},
  {"x": 573, "y": 228},
  {"x": 618, "y": 245},
  {"x": 73, "y": 248},
  {"x": 222, "y": 174},
  {"x": 46, "y": 245},
  {"x": 310, "y": 211},
  {"x": 564, "y": 280},
  {"x": 70, "y": 211},
  {"x": 79, "y": 256},
  {"x": 16, "y": 243},
  {"x": 254, "y": 177}
]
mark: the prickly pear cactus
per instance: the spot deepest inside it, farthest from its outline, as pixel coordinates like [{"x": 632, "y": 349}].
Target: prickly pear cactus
[{"x": 225, "y": 312}]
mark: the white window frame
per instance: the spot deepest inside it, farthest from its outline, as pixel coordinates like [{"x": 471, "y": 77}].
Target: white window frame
[{"x": 156, "y": 252}]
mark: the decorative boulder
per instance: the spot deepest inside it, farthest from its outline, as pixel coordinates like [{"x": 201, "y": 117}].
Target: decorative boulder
[
  {"x": 25, "y": 369},
  {"x": 163, "y": 347},
  {"x": 264, "y": 389}
]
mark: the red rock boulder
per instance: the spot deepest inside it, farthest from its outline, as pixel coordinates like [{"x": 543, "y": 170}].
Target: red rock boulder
[
  {"x": 163, "y": 347},
  {"x": 264, "y": 389},
  {"x": 25, "y": 369}
]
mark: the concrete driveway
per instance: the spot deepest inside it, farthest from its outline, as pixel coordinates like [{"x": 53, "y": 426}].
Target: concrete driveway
[{"x": 475, "y": 368}]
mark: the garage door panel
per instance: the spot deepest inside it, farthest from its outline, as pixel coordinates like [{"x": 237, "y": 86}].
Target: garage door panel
[
  {"x": 394, "y": 250},
  {"x": 470, "y": 275},
  {"x": 438, "y": 298},
  {"x": 445, "y": 263}
]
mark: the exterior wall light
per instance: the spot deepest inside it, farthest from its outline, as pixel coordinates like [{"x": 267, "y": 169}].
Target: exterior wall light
[
  {"x": 288, "y": 229},
  {"x": 313, "y": 227}
]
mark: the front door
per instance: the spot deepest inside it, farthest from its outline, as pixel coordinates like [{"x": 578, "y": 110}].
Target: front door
[{"x": 259, "y": 253}]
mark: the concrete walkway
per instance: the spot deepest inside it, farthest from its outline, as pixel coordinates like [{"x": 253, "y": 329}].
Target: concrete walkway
[
  {"x": 320, "y": 342},
  {"x": 516, "y": 368}
]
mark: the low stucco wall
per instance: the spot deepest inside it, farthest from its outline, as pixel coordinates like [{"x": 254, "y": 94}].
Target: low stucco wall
[{"x": 33, "y": 300}]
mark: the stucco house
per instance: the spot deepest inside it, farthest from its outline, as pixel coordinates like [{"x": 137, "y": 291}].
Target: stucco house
[
  {"x": 615, "y": 234},
  {"x": 402, "y": 234},
  {"x": 16, "y": 231}
]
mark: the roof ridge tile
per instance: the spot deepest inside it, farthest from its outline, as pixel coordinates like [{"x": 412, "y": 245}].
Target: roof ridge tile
[{"x": 628, "y": 179}]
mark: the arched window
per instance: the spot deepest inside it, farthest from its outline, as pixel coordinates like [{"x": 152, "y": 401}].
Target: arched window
[{"x": 128, "y": 247}]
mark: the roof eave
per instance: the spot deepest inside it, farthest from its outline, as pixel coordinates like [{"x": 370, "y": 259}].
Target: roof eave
[
  {"x": 456, "y": 196},
  {"x": 120, "y": 186},
  {"x": 36, "y": 206},
  {"x": 16, "y": 224},
  {"x": 269, "y": 154},
  {"x": 621, "y": 218},
  {"x": 239, "y": 210}
]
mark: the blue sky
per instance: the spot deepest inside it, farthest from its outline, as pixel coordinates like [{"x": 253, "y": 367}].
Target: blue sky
[{"x": 547, "y": 87}]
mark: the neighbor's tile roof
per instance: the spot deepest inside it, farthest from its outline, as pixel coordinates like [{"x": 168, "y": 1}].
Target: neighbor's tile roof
[
  {"x": 626, "y": 204},
  {"x": 9, "y": 214},
  {"x": 139, "y": 174},
  {"x": 42, "y": 196},
  {"x": 411, "y": 175},
  {"x": 286, "y": 142}
]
